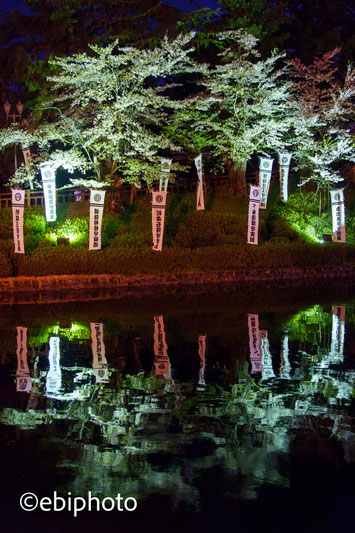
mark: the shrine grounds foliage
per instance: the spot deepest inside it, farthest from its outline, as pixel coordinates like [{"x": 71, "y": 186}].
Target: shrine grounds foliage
[{"x": 290, "y": 235}]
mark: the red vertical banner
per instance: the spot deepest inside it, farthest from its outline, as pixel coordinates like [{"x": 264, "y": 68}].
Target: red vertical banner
[
  {"x": 161, "y": 361},
  {"x": 254, "y": 343},
  {"x": 158, "y": 219}
]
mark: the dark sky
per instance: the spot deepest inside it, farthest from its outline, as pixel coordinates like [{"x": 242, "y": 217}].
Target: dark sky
[{"x": 9, "y": 5}]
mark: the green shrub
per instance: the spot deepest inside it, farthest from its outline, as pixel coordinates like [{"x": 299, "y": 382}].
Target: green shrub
[
  {"x": 202, "y": 228},
  {"x": 5, "y": 265}
]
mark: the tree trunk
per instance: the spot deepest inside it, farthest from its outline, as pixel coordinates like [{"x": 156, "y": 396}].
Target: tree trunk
[
  {"x": 133, "y": 193},
  {"x": 236, "y": 175},
  {"x": 117, "y": 204}
]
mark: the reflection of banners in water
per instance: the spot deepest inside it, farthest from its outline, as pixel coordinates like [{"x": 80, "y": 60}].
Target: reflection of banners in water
[
  {"x": 161, "y": 361},
  {"x": 285, "y": 368},
  {"x": 18, "y": 204},
  {"x": 158, "y": 218},
  {"x": 284, "y": 167},
  {"x": 338, "y": 331},
  {"x": 23, "y": 384},
  {"x": 254, "y": 344},
  {"x": 202, "y": 354},
  {"x": 49, "y": 192},
  {"x": 101, "y": 375},
  {"x": 21, "y": 351},
  {"x": 268, "y": 371},
  {"x": 200, "y": 200},
  {"x": 54, "y": 376},
  {"x": 164, "y": 181},
  {"x": 99, "y": 361},
  {"x": 253, "y": 215},
  {"x": 23, "y": 379},
  {"x": 338, "y": 215},
  {"x": 265, "y": 170},
  {"x": 97, "y": 200}
]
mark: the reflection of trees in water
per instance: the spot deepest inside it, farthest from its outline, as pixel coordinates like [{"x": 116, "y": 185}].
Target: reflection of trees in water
[
  {"x": 148, "y": 435},
  {"x": 144, "y": 435}
]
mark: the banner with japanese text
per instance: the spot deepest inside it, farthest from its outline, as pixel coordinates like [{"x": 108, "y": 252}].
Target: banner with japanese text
[
  {"x": 165, "y": 171},
  {"x": 338, "y": 215},
  {"x": 161, "y": 361},
  {"x": 49, "y": 192},
  {"x": 253, "y": 215},
  {"x": 284, "y": 167},
  {"x": 266, "y": 357},
  {"x": 200, "y": 201},
  {"x": 265, "y": 170},
  {"x": 99, "y": 361},
  {"x": 338, "y": 332},
  {"x": 97, "y": 201},
  {"x": 254, "y": 343},
  {"x": 18, "y": 204},
  {"x": 54, "y": 376},
  {"x": 158, "y": 218},
  {"x": 202, "y": 355},
  {"x": 285, "y": 367},
  {"x": 23, "y": 378}
]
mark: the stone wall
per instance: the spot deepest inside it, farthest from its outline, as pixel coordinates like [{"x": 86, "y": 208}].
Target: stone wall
[{"x": 76, "y": 287}]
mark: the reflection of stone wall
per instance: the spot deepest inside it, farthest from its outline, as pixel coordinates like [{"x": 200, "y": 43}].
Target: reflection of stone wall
[{"x": 68, "y": 287}]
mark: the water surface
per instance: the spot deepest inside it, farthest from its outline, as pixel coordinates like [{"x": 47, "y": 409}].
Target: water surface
[{"x": 220, "y": 412}]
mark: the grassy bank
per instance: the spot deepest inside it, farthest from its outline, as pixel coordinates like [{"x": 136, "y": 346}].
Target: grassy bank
[{"x": 215, "y": 239}]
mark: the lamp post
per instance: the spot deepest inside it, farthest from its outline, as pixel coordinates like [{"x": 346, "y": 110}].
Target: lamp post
[{"x": 14, "y": 116}]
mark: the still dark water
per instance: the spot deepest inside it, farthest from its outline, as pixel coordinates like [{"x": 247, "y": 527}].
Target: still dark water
[{"x": 221, "y": 412}]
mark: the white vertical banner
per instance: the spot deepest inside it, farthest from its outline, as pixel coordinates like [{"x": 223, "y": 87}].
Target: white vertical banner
[
  {"x": 18, "y": 204},
  {"x": 200, "y": 201},
  {"x": 338, "y": 332},
  {"x": 254, "y": 343},
  {"x": 202, "y": 355},
  {"x": 266, "y": 357},
  {"x": 253, "y": 215},
  {"x": 161, "y": 361},
  {"x": 285, "y": 367},
  {"x": 165, "y": 170},
  {"x": 23, "y": 379},
  {"x": 99, "y": 361},
  {"x": 158, "y": 218},
  {"x": 284, "y": 167},
  {"x": 338, "y": 215},
  {"x": 54, "y": 376},
  {"x": 97, "y": 200},
  {"x": 265, "y": 170},
  {"x": 49, "y": 192}
]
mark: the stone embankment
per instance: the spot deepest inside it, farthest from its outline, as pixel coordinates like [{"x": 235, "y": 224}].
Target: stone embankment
[{"x": 105, "y": 286}]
